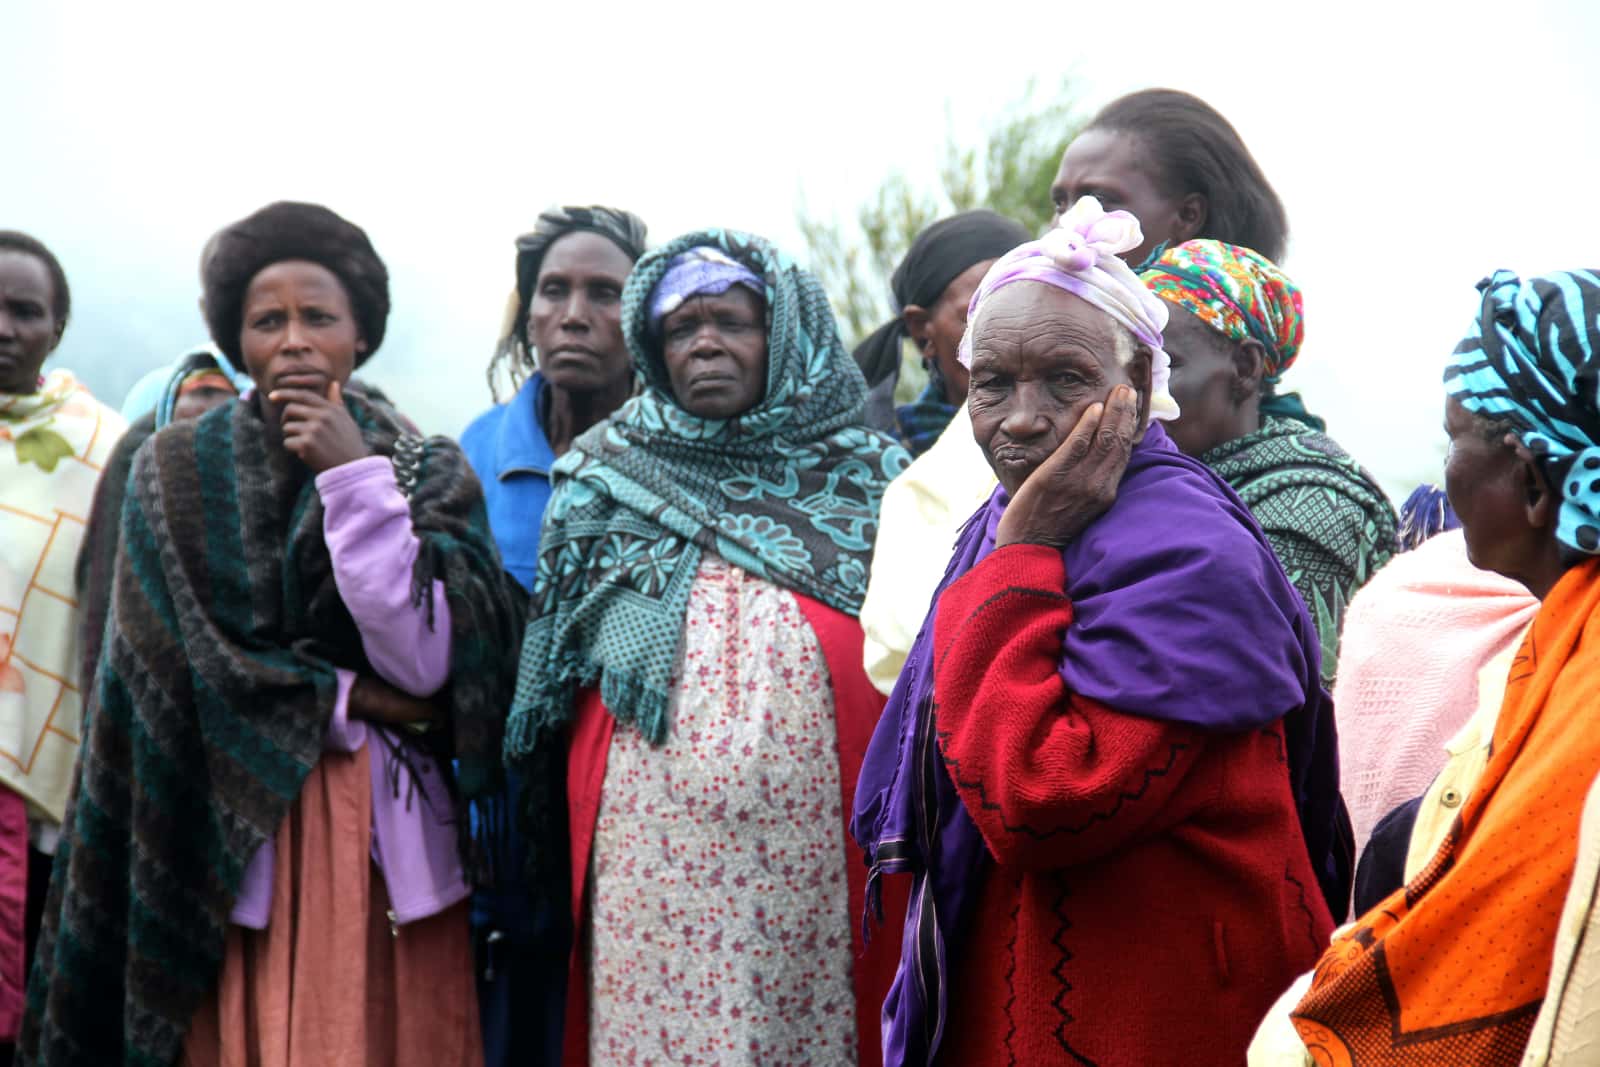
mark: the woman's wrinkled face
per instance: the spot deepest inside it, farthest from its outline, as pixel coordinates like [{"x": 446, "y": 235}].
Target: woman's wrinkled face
[
  {"x": 1205, "y": 383},
  {"x": 29, "y": 330},
  {"x": 1482, "y": 480},
  {"x": 1113, "y": 168},
  {"x": 1040, "y": 357},
  {"x": 575, "y": 314},
  {"x": 298, "y": 330},
  {"x": 715, "y": 350}
]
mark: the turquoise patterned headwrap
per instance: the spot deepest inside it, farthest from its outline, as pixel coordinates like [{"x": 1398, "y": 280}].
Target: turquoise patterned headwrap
[{"x": 1530, "y": 360}]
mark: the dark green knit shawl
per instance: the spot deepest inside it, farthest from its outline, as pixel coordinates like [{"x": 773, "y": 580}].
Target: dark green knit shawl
[
  {"x": 1330, "y": 524},
  {"x": 209, "y": 706}
]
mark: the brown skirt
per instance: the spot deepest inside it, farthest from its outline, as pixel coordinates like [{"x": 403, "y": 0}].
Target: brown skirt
[{"x": 328, "y": 981}]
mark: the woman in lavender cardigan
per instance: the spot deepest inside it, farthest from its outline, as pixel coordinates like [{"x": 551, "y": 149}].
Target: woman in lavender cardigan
[{"x": 309, "y": 617}]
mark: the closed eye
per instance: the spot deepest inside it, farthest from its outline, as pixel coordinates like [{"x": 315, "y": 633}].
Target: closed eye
[{"x": 27, "y": 309}]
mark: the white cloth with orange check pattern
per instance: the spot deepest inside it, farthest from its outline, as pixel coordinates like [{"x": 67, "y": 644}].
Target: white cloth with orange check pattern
[{"x": 53, "y": 444}]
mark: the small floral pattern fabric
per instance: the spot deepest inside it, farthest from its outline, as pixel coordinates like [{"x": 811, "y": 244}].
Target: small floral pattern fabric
[{"x": 720, "y": 931}]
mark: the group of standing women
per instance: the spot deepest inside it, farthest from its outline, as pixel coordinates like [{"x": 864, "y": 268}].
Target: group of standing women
[{"x": 570, "y": 743}]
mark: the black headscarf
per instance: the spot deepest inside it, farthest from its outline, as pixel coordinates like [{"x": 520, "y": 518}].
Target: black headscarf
[
  {"x": 936, "y": 258},
  {"x": 290, "y": 230}
]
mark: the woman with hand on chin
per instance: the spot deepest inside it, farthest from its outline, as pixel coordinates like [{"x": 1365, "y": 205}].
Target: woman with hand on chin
[
  {"x": 1108, "y": 764},
  {"x": 260, "y": 865},
  {"x": 1180, "y": 168}
]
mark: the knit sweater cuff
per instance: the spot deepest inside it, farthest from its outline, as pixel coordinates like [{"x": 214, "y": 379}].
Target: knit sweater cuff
[{"x": 1016, "y": 566}]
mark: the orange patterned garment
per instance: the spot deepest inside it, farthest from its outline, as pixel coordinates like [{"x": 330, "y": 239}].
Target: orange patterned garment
[{"x": 1453, "y": 967}]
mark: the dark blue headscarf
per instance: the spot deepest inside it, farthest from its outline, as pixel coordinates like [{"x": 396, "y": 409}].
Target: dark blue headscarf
[
  {"x": 1426, "y": 513},
  {"x": 1530, "y": 360}
]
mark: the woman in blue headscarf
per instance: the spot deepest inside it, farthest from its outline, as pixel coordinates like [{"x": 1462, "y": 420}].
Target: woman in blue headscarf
[{"x": 693, "y": 659}]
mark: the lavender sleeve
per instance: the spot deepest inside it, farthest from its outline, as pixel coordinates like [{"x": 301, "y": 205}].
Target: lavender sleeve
[
  {"x": 367, "y": 526},
  {"x": 254, "y": 901}
]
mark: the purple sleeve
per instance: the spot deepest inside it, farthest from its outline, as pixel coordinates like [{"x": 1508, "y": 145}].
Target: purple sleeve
[
  {"x": 253, "y": 904},
  {"x": 344, "y": 735},
  {"x": 367, "y": 525}
]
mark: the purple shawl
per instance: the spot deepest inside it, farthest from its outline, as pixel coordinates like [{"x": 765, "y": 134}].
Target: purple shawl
[{"x": 1181, "y": 612}]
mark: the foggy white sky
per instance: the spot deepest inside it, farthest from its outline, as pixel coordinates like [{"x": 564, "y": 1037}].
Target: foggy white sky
[{"x": 1416, "y": 146}]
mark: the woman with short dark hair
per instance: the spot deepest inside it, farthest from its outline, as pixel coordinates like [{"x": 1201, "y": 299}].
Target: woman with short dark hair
[
  {"x": 931, "y": 285},
  {"x": 1180, "y": 168},
  {"x": 261, "y": 863}
]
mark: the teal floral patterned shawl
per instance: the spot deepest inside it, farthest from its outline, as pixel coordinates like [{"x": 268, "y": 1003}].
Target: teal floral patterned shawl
[{"x": 788, "y": 490}]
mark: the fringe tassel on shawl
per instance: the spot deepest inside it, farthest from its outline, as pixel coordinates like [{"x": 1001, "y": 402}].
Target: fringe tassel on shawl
[{"x": 533, "y": 743}]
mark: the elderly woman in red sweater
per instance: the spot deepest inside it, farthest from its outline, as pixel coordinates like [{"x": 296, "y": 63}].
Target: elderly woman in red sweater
[{"x": 1108, "y": 765}]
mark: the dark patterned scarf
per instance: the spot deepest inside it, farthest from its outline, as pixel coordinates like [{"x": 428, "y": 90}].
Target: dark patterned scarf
[
  {"x": 97, "y": 556},
  {"x": 789, "y": 491},
  {"x": 922, "y": 421},
  {"x": 1328, "y": 521},
  {"x": 209, "y": 709}
]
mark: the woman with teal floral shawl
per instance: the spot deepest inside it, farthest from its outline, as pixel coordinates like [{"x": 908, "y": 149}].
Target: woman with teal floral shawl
[{"x": 694, "y": 660}]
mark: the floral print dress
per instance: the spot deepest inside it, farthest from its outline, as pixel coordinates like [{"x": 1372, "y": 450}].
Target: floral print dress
[{"x": 720, "y": 929}]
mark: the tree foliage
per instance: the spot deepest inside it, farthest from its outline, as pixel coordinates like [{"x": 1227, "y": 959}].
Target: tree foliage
[{"x": 1010, "y": 172}]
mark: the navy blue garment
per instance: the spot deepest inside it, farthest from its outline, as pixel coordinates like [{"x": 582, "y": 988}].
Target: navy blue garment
[
  {"x": 520, "y": 948},
  {"x": 1383, "y": 862}
]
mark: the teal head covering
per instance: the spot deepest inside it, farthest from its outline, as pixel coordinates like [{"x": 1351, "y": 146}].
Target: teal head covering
[
  {"x": 1530, "y": 360},
  {"x": 788, "y": 490}
]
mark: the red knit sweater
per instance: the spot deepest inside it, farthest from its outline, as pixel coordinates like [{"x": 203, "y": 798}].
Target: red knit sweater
[{"x": 1150, "y": 895}]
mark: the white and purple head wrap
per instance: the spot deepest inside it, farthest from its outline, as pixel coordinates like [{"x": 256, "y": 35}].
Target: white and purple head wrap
[
  {"x": 702, "y": 271},
  {"x": 1080, "y": 256}
]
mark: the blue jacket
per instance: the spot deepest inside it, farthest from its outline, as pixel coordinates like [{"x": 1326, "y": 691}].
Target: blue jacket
[{"x": 511, "y": 456}]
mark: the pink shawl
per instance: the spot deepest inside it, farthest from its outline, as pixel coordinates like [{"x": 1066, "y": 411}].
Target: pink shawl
[{"x": 1414, "y": 640}]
